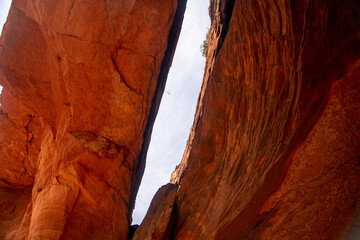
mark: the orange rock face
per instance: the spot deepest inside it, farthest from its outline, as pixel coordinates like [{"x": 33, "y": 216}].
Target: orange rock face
[
  {"x": 325, "y": 170},
  {"x": 158, "y": 223},
  {"x": 82, "y": 84},
  {"x": 274, "y": 149},
  {"x": 273, "y": 152}
]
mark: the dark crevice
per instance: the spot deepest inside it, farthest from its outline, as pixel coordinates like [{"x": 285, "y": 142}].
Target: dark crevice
[
  {"x": 70, "y": 35},
  {"x": 29, "y": 138},
  {"x": 220, "y": 14},
  {"x": 122, "y": 78},
  {"x": 132, "y": 230},
  {"x": 13, "y": 209},
  {"x": 161, "y": 82},
  {"x": 173, "y": 220},
  {"x": 71, "y": 8},
  {"x": 6, "y": 182}
]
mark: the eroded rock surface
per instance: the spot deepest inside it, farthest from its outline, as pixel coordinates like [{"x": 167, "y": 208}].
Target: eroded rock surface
[
  {"x": 273, "y": 152},
  {"x": 274, "y": 149},
  {"x": 82, "y": 83},
  {"x": 159, "y": 220}
]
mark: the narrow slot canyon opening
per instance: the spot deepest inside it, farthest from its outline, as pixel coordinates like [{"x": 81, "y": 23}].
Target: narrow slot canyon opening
[{"x": 176, "y": 113}]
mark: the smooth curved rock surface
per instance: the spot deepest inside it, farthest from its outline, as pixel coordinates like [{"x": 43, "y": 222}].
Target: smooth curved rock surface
[
  {"x": 325, "y": 170},
  {"x": 274, "y": 149},
  {"x": 273, "y": 152},
  {"x": 82, "y": 84}
]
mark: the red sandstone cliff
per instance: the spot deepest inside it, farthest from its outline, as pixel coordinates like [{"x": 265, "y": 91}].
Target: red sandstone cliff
[
  {"x": 274, "y": 149},
  {"x": 82, "y": 84},
  {"x": 273, "y": 152}
]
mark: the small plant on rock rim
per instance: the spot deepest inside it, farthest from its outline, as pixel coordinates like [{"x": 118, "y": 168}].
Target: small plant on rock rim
[{"x": 204, "y": 45}]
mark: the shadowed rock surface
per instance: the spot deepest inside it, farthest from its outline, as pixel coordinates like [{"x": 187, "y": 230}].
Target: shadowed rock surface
[
  {"x": 82, "y": 84},
  {"x": 159, "y": 220},
  {"x": 274, "y": 149}
]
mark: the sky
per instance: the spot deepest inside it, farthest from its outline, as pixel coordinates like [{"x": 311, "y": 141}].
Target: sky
[
  {"x": 4, "y": 9},
  {"x": 177, "y": 108}
]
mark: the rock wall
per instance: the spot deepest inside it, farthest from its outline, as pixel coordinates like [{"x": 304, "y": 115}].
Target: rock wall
[
  {"x": 274, "y": 149},
  {"x": 82, "y": 84},
  {"x": 273, "y": 152}
]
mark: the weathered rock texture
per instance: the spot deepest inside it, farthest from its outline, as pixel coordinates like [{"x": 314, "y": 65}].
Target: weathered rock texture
[
  {"x": 274, "y": 149},
  {"x": 158, "y": 223},
  {"x": 82, "y": 84},
  {"x": 273, "y": 152}
]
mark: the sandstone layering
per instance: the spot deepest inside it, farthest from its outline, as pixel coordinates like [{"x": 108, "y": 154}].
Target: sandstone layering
[
  {"x": 82, "y": 84},
  {"x": 274, "y": 151}
]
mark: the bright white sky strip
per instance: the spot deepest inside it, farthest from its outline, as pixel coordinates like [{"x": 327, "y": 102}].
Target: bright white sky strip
[
  {"x": 177, "y": 109},
  {"x": 4, "y": 10},
  {"x": 176, "y": 113}
]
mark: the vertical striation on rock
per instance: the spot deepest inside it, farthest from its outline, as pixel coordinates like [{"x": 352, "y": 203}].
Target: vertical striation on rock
[
  {"x": 82, "y": 84},
  {"x": 274, "y": 149},
  {"x": 320, "y": 193},
  {"x": 273, "y": 152}
]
